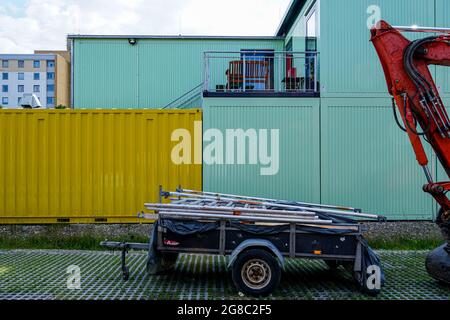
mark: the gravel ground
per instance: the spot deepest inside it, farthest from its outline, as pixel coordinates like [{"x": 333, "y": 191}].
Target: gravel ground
[
  {"x": 414, "y": 230},
  {"x": 43, "y": 274},
  {"x": 387, "y": 230},
  {"x": 101, "y": 230}
]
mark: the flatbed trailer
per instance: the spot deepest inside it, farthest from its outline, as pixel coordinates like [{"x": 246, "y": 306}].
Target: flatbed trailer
[{"x": 257, "y": 239}]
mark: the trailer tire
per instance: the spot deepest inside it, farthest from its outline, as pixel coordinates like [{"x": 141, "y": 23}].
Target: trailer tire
[{"x": 256, "y": 272}]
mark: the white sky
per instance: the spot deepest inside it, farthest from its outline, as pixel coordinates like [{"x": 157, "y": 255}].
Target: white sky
[{"x": 26, "y": 25}]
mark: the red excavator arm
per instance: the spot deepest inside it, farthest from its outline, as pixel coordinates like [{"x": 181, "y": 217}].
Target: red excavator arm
[{"x": 405, "y": 64}]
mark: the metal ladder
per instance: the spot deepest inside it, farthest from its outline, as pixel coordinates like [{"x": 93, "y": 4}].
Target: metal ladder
[{"x": 192, "y": 204}]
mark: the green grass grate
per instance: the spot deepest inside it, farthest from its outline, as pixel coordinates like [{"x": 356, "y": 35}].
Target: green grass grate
[{"x": 41, "y": 275}]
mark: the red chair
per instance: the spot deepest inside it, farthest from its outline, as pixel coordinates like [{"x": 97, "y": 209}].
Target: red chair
[{"x": 291, "y": 80}]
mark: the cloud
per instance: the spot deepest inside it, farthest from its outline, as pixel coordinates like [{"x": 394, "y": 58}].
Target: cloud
[{"x": 44, "y": 24}]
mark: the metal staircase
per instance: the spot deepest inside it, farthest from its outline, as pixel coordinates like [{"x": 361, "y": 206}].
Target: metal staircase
[{"x": 188, "y": 99}]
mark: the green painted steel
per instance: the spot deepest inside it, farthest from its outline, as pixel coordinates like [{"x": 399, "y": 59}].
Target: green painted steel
[
  {"x": 104, "y": 74},
  {"x": 297, "y": 33},
  {"x": 110, "y": 73},
  {"x": 368, "y": 162},
  {"x": 443, "y": 73},
  {"x": 440, "y": 173},
  {"x": 349, "y": 65},
  {"x": 332, "y": 150},
  {"x": 297, "y": 121}
]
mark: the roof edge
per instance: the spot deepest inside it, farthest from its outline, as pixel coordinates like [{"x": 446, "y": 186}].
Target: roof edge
[
  {"x": 289, "y": 17},
  {"x": 171, "y": 37},
  {"x": 26, "y": 56}
]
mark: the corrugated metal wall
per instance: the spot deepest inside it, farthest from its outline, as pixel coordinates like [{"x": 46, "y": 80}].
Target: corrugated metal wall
[
  {"x": 349, "y": 64},
  {"x": 297, "y": 33},
  {"x": 442, "y": 73},
  {"x": 368, "y": 162},
  {"x": 88, "y": 166},
  {"x": 152, "y": 73},
  {"x": 366, "y": 159},
  {"x": 335, "y": 151},
  {"x": 297, "y": 120}
]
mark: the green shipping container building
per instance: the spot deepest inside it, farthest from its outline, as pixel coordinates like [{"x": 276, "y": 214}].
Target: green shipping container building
[
  {"x": 317, "y": 81},
  {"x": 109, "y": 72}
]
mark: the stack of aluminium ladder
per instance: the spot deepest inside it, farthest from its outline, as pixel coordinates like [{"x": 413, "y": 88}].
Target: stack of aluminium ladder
[{"x": 197, "y": 205}]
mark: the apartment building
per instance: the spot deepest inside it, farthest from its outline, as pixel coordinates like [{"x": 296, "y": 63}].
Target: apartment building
[{"x": 33, "y": 74}]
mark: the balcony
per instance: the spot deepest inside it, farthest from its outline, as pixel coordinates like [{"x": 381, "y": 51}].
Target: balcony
[{"x": 260, "y": 73}]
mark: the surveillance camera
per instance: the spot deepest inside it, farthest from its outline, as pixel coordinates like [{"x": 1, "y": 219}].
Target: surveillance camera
[{"x": 132, "y": 41}]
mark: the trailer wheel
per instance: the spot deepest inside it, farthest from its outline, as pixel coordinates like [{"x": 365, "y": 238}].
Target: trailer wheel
[{"x": 256, "y": 272}]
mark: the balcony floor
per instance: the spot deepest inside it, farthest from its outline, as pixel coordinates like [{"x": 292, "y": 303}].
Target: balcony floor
[{"x": 253, "y": 94}]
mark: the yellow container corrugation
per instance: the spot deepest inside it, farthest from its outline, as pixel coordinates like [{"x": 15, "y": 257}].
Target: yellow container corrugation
[{"x": 89, "y": 166}]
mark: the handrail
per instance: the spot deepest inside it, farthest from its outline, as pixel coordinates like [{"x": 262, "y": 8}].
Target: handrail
[
  {"x": 183, "y": 95},
  {"x": 264, "y": 51},
  {"x": 290, "y": 72},
  {"x": 421, "y": 29}
]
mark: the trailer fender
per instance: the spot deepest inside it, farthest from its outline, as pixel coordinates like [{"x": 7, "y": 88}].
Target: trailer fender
[{"x": 256, "y": 243}]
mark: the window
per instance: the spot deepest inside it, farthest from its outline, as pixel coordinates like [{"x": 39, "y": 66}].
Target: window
[
  {"x": 20, "y": 88},
  {"x": 311, "y": 23},
  {"x": 5, "y": 63},
  {"x": 50, "y": 87},
  {"x": 36, "y": 64},
  {"x": 21, "y": 76},
  {"x": 5, "y": 88},
  {"x": 5, "y": 76},
  {"x": 36, "y": 76},
  {"x": 289, "y": 45},
  {"x": 36, "y": 88},
  {"x": 21, "y": 64},
  {"x": 19, "y": 101},
  {"x": 50, "y": 63},
  {"x": 263, "y": 60},
  {"x": 5, "y": 100},
  {"x": 50, "y": 100},
  {"x": 50, "y": 76}
]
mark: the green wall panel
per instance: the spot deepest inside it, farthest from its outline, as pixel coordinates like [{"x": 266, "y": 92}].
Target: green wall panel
[
  {"x": 105, "y": 74},
  {"x": 440, "y": 173},
  {"x": 443, "y": 20},
  {"x": 298, "y": 30},
  {"x": 368, "y": 162},
  {"x": 298, "y": 177},
  {"x": 349, "y": 65},
  {"x": 154, "y": 72}
]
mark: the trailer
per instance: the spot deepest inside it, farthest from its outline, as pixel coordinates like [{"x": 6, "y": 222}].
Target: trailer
[{"x": 257, "y": 234}]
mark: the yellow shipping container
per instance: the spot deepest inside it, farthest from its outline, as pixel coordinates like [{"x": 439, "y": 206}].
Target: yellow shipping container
[{"x": 89, "y": 166}]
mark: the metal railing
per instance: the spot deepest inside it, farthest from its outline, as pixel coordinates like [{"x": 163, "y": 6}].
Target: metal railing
[
  {"x": 186, "y": 98},
  {"x": 261, "y": 71}
]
